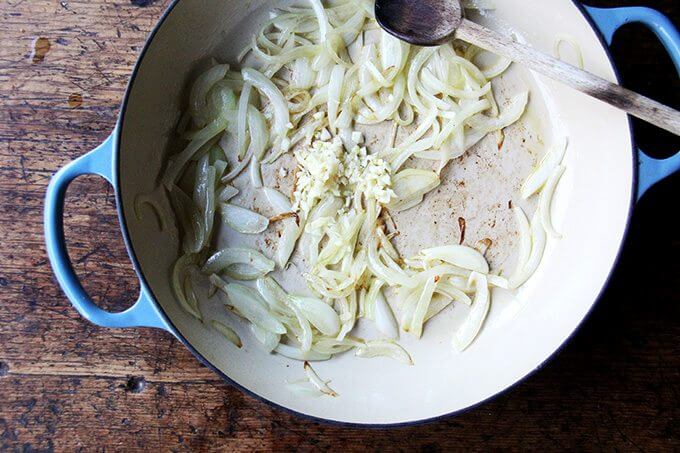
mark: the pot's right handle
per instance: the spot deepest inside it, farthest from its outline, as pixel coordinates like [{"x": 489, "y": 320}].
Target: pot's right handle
[{"x": 608, "y": 20}]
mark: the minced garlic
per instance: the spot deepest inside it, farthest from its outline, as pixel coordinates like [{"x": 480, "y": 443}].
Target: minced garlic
[{"x": 326, "y": 167}]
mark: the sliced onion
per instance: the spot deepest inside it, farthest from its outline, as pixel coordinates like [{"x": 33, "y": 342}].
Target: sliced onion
[
  {"x": 202, "y": 138},
  {"x": 371, "y": 298},
  {"x": 438, "y": 86},
  {"x": 437, "y": 305},
  {"x": 289, "y": 236},
  {"x": 391, "y": 276},
  {"x": 204, "y": 198},
  {"x": 259, "y": 132},
  {"x": 243, "y": 220},
  {"x": 242, "y": 120},
  {"x": 301, "y": 387},
  {"x": 416, "y": 64},
  {"x": 514, "y": 110},
  {"x": 322, "y": 287},
  {"x": 445, "y": 288},
  {"x": 305, "y": 336},
  {"x": 498, "y": 68},
  {"x": 524, "y": 232},
  {"x": 458, "y": 255},
  {"x": 550, "y": 161},
  {"x": 322, "y": 19},
  {"x": 384, "y": 318},
  {"x": 278, "y": 201},
  {"x": 318, "y": 382},
  {"x": 326, "y": 345},
  {"x": 267, "y": 339},
  {"x": 220, "y": 167},
  {"x": 275, "y": 296},
  {"x": 410, "y": 186},
  {"x": 297, "y": 354},
  {"x": 383, "y": 348},
  {"x": 201, "y": 87},
  {"x": 237, "y": 169},
  {"x": 393, "y": 52},
  {"x": 334, "y": 94},
  {"x": 302, "y": 75},
  {"x": 455, "y": 124},
  {"x": 559, "y": 39},
  {"x": 440, "y": 270},
  {"x": 470, "y": 328},
  {"x": 227, "y": 332},
  {"x": 348, "y": 314},
  {"x": 545, "y": 200},
  {"x": 538, "y": 240},
  {"x": 498, "y": 281},
  {"x": 179, "y": 274},
  {"x": 351, "y": 29},
  {"x": 229, "y": 256},
  {"x": 254, "y": 172},
  {"x": 189, "y": 220},
  {"x": 244, "y": 272},
  {"x": 223, "y": 103},
  {"x": 320, "y": 314},
  {"x": 276, "y": 99},
  {"x": 424, "y": 299},
  {"x": 191, "y": 293},
  {"x": 248, "y": 303},
  {"x": 424, "y": 126},
  {"x": 227, "y": 193},
  {"x": 389, "y": 109}
]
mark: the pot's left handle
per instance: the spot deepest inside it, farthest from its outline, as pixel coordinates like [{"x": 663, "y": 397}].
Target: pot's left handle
[{"x": 144, "y": 313}]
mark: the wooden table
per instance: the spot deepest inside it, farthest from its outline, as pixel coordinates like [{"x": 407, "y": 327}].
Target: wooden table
[{"x": 65, "y": 384}]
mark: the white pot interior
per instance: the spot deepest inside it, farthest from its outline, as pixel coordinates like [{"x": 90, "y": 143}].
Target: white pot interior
[{"x": 524, "y": 328}]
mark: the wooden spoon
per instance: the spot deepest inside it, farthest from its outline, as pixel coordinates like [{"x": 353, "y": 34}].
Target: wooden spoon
[{"x": 434, "y": 22}]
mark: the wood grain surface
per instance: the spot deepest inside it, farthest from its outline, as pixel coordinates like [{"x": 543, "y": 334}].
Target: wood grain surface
[{"x": 67, "y": 385}]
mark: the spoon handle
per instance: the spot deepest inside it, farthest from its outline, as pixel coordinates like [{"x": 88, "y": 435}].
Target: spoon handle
[{"x": 637, "y": 105}]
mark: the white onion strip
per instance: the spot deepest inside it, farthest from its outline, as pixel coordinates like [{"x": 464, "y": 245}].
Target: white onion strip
[
  {"x": 550, "y": 161},
  {"x": 297, "y": 354},
  {"x": 384, "y": 318},
  {"x": 243, "y": 220},
  {"x": 276, "y": 99},
  {"x": 242, "y": 120},
  {"x": 545, "y": 200},
  {"x": 278, "y": 201},
  {"x": 538, "y": 241},
  {"x": 384, "y": 348},
  {"x": 248, "y": 303},
  {"x": 458, "y": 255},
  {"x": 318, "y": 382},
  {"x": 470, "y": 328},
  {"x": 227, "y": 332},
  {"x": 229, "y": 256}
]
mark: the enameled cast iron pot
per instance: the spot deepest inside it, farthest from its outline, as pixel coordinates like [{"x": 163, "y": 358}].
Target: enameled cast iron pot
[{"x": 607, "y": 174}]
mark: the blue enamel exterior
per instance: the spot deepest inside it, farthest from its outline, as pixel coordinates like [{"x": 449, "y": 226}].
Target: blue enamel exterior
[
  {"x": 147, "y": 313},
  {"x": 608, "y": 20}
]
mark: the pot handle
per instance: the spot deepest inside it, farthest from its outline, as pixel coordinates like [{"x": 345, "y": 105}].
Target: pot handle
[
  {"x": 608, "y": 20},
  {"x": 99, "y": 161}
]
